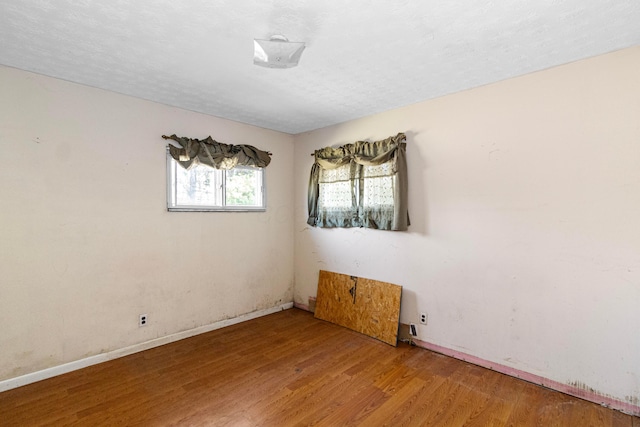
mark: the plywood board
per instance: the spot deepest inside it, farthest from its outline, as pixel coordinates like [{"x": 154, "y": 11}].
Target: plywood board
[{"x": 367, "y": 306}]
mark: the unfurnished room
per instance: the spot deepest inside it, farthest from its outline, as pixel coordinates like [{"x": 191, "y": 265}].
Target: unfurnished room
[{"x": 295, "y": 213}]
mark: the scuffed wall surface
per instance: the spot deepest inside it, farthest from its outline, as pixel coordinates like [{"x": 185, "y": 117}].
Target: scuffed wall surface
[
  {"x": 524, "y": 200},
  {"x": 87, "y": 244}
]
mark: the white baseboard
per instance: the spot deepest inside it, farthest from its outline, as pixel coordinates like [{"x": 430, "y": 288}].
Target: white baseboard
[{"x": 100, "y": 358}]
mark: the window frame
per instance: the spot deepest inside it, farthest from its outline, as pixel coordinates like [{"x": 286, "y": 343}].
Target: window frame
[{"x": 172, "y": 206}]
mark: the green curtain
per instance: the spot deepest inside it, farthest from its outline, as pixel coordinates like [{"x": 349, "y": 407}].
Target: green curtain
[
  {"x": 347, "y": 171},
  {"x": 216, "y": 154}
]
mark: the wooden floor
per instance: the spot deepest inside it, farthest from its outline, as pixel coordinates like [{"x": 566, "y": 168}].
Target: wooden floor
[{"x": 289, "y": 369}]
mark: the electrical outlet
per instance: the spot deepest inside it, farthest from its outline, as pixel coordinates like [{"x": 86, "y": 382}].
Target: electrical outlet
[
  {"x": 423, "y": 318},
  {"x": 413, "y": 331},
  {"x": 142, "y": 320}
]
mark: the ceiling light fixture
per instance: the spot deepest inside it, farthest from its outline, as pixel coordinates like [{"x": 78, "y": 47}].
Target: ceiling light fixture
[{"x": 277, "y": 52}]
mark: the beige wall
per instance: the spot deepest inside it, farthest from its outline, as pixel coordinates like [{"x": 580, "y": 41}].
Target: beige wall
[
  {"x": 524, "y": 198},
  {"x": 524, "y": 247},
  {"x": 87, "y": 244}
]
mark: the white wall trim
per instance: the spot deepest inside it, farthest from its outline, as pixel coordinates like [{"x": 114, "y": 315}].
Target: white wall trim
[{"x": 33, "y": 377}]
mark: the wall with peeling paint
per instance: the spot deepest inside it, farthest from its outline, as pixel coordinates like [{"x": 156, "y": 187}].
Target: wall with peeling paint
[
  {"x": 525, "y": 237},
  {"x": 87, "y": 244}
]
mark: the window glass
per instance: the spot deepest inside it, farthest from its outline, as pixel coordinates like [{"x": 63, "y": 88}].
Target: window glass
[
  {"x": 203, "y": 188},
  {"x": 243, "y": 187}
]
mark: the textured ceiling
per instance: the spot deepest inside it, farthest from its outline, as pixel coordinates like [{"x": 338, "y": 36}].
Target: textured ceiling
[{"x": 362, "y": 56}]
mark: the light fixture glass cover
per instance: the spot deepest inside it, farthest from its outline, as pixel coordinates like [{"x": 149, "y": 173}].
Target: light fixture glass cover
[{"x": 277, "y": 52}]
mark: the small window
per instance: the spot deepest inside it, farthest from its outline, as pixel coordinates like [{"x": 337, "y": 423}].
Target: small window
[
  {"x": 360, "y": 185},
  {"x": 203, "y": 188}
]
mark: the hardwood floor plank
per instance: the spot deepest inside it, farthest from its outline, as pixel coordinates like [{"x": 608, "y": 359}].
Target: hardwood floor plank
[
  {"x": 495, "y": 406},
  {"x": 451, "y": 403},
  {"x": 289, "y": 369},
  {"x": 358, "y": 407},
  {"x": 339, "y": 396},
  {"x": 392, "y": 411}
]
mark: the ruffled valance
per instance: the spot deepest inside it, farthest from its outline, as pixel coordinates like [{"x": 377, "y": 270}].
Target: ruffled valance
[
  {"x": 216, "y": 154},
  {"x": 364, "y": 153}
]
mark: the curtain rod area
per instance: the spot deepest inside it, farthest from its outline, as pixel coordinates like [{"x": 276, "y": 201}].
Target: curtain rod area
[{"x": 400, "y": 137}]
